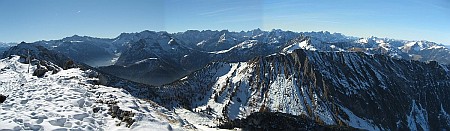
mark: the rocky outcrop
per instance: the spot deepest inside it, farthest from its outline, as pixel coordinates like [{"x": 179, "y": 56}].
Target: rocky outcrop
[
  {"x": 44, "y": 67},
  {"x": 124, "y": 116},
  {"x": 40, "y": 72}
]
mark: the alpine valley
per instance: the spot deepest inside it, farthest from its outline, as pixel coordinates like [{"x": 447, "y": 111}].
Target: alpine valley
[{"x": 211, "y": 80}]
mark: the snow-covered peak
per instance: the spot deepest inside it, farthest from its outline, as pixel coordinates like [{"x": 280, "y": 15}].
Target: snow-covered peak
[
  {"x": 397, "y": 43},
  {"x": 81, "y": 39},
  {"x": 226, "y": 38},
  {"x": 244, "y": 45},
  {"x": 363, "y": 41},
  {"x": 416, "y": 46},
  {"x": 304, "y": 44},
  {"x": 222, "y": 38},
  {"x": 422, "y": 45},
  {"x": 326, "y": 36},
  {"x": 172, "y": 42},
  {"x": 412, "y": 50}
]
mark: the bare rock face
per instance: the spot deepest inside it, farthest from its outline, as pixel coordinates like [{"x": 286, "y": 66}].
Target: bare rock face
[
  {"x": 2, "y": 98},
  {"x": 50, "y": 66}
]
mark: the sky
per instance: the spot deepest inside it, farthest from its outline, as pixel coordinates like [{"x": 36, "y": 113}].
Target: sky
[{"x": 33, "y": 20}]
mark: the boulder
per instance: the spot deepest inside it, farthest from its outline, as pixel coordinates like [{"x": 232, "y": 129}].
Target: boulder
[
  {"x": 2, "y": 98},
  {"x": 40, "y": 72},
  {"x": 96, "y": 109}
]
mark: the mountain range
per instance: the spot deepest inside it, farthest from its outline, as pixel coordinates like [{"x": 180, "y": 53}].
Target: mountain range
[
  {"x": 372, "y": 92},
  {"x": 158, "y": 58},
  {"x": 223, "y": 77}
]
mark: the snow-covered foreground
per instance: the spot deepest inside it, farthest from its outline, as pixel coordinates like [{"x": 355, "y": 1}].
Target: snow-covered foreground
[{"x": 67, "y": 100}]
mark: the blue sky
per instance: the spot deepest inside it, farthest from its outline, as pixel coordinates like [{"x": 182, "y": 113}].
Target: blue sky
[{"x": 32, "y": 20}]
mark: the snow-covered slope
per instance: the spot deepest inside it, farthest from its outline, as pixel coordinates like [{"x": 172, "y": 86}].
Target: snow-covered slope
[
  {"x": 70, "y": 100},
  {"x": 335, "y": 88}
]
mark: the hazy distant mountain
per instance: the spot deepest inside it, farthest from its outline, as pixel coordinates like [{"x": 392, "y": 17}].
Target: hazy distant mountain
[
  {"x": 5, "y": 46},
  {"x": 403, "y": 49},
  {"x": 89, "y": 50}
]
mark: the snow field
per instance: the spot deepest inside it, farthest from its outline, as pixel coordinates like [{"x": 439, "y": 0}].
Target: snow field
[{"x": 67, "y": 100}]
